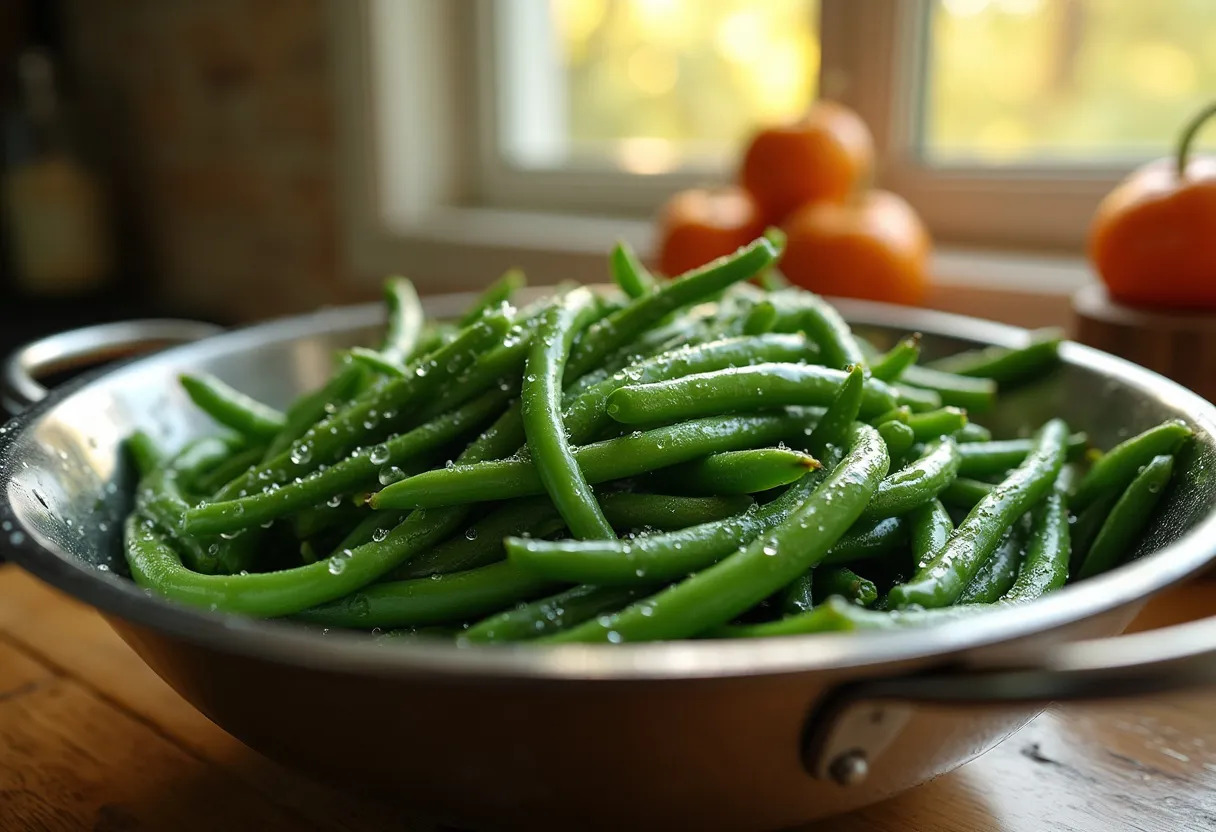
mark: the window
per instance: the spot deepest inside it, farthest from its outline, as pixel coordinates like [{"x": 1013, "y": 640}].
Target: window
[{"x": 540, "y": 130}]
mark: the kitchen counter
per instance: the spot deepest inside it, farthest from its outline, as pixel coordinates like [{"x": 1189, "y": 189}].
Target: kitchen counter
[{"x": 91, "y": 738}]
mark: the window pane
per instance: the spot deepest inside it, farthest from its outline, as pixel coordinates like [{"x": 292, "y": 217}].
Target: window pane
[
  {"x": 650, "y": 85},
  {"x": 1075, "y": 81}
]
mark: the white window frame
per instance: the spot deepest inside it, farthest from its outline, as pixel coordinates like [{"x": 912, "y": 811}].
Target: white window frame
[{"x": 420, "y": 193}]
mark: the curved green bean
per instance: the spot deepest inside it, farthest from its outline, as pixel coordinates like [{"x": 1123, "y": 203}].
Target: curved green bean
[
  {"x": 930, "y": 527},
  {"x": 899, "y": 438},
  {"x": 989, "y": 459},
  {"x": 405, "y": 319},
  {"x": 916, "y": 484},
  {"x": 941, "y": 581},
  {"x": 758, "y": 387},
  {"x": 1004, "y": 365},
  {"x": 1128, "y": 517},
  {"x": 495, "y": 295},
  {"x": 833, "y": 428},
  {"x": 439, "y": 599},
  {"x": 1047, "y": 553},
  {"x": 549, "y": 615},
  {"x": 1120, "y": 465},
  {"x": 550, "y": 450},
  {"x": 232, "y": 408},
  {"x": 799, "y": 596},
  {"x": 612, "y": 459},
  {"x": 720, "y": 592},
  {"x": 892, "y": 365},
  {"x": 357, "y": 471},
  {"x": 931, "y": 424},
  {"x": 973, "y": 394},
  {"x": 629, "y": 273},
  {"x": 998, "y": 573},
  {"x": 734, "y": 472}
]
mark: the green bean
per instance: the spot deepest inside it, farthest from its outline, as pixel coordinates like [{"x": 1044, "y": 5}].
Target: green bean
[
  {"x": 202, "y": 456},
  {"x": 438, "y": 599},
  {"x": 758, "y": 387},
  {"x": 1119, "y": 466},
  {"x": 232, "y": 408},
  {"x": 838, "y": 615},
  {"x": 494, "y": 295},
  {"x": 833, "y": 428},
  {"x": 916, "y": 484},
  {"x": 799, "y": 595},
  {"x": 998, "y": 573},
  {"x": 868, "y": 541},
  {"x": 312, "y": 408},
  {"x": 628, "y": 323},
  {"x": 226, "y": 471},
  {"x": 734, "y": 472},
  {"x": 1085, "y": 529},
  {"x": 987, "y": 459},
  {"x": 916, "y": 398},
  {"x": 378, "y": 362},
  {"x": 902, "y": 414},
  {"x": 612, "y": 459},
  {"x": 930, "y": 527},
  {"x": 971, "y": 432},
  {"x": 374, "y": 526},
  {"x": 720, "y": 592},
  {"x": 974, "y": 394},
  {"x": 941, "y": 581},
  {"x": 434, "y": 336},
  {"x": 1004, "y": 365},
  {"x": 321, "y": 518},
  {"x": 155, "y": 565},
  {"x": 550, "y": 450},
  {"x": 844, "y": 583},
  {"x": 655, "y": 558},
  {"x": 1047, "y": 554},
  {"x": 549, "y": 615},
  {"x": 357, "y": 471},
  {"x": 630, "y": 510},
  {"x": 899, "y": 438},
  {"x": 761, "y": 318},
  {"x": 894, "y": 363},
  {"x": 1128, "y": 518},
  {"x": 822, "y": 324},
  {"x": 405, "y": 319},
  {"x": 629, "y": 273},
  {"x": 932, "y": 424},
  {"x": 966, "y": 492},
  {"x": 374, "y": 414},
  {"x": 145, "y": 452},
  {"x": 481, "y": 543},
  {"x": 159, "y": 498},
  {"x": 585, "y": 414}
]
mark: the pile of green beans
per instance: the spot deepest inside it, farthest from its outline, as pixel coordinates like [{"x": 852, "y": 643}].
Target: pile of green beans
[{"x": 686, "y": 458}]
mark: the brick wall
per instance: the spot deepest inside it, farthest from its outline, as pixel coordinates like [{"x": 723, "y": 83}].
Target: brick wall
[{"x": 219, "y": 121}]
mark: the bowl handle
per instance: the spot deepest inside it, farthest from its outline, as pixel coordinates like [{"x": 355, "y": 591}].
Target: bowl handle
[
  {"x": 19, "y": 387},
  {"x": 850, "y": 727}
]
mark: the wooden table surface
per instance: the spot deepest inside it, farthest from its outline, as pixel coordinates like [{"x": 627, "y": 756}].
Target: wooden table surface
[{"x": 90, "y": 738}]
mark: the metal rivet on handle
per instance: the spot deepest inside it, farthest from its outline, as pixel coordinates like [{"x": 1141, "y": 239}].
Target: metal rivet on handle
[{"x": 850, "y": 768}]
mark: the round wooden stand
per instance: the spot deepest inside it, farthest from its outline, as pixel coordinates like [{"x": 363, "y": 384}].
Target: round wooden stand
[{"x": 1179, "y": 345}]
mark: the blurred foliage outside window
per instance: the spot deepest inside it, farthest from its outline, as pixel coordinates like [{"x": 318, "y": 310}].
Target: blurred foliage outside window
[
  {"x": 1065, "y": 81},
  {"x": 655, "y": 84}
]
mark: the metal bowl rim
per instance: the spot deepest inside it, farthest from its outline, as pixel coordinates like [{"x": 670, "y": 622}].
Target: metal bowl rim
[{"x": 291, "y": 644}]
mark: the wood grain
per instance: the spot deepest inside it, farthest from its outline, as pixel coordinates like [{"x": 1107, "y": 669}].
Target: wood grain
[{"x": 91, "y": 738}]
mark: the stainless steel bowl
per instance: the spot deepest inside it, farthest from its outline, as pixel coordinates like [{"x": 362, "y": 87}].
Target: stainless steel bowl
[{"x": 757, "y": 734}]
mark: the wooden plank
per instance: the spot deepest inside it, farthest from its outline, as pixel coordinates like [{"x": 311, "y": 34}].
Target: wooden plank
[
  {"x": 1147, "y": 765},
  {"x": 72, "y": 637},
  {"x": 72, "y": 761}
]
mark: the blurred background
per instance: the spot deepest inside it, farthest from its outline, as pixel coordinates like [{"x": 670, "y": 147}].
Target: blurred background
[{"x": 239, "y": 159}]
